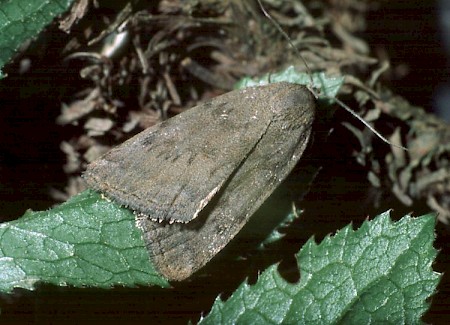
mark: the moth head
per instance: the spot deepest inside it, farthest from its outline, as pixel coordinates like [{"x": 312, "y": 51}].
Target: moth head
[{"x": 291, "y": 98}]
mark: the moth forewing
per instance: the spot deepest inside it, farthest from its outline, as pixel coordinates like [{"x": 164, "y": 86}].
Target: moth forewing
[
  {"x": 209, "y": 169},
  {"x": 172, "y": 169},
  {"x": 179, "y": 250}
]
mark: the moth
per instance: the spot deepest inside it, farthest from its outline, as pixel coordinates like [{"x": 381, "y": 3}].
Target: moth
[{"x": 195, "y": 179}]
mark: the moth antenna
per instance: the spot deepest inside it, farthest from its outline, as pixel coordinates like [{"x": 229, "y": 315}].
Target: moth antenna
[
  {"x": 286, "y": 36},
  {"x": 370, "y": 127},
  {"x": 311, "y": 88}
]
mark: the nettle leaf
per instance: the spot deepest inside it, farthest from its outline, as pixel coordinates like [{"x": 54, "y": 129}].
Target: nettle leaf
[
  {"x": 86, "y": 241},
  {"x": 21, "y": 20},
  {"x": 278, "y": 233},
  {"x": 329, "y": 86},
  {"x": 378, "y": 274}
]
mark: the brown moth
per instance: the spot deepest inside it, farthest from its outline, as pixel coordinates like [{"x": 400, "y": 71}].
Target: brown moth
[{"x": 196, "y": 179}]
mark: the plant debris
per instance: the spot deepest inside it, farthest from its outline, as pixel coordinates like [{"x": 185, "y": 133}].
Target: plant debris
[{"x": 146, "y": 65}]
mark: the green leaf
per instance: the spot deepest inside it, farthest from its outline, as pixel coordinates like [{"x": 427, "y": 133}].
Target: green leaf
[
  {"x": 277, "y": 233},
  {"x": 379, "y": 274},
  {"x": 20, "y": 20},
  {"x": 86, "y": 241},
  {"x": 329, "y": 86}
]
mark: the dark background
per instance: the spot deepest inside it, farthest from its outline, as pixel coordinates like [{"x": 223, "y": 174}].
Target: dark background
[{"x": 31, "y": 163}]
